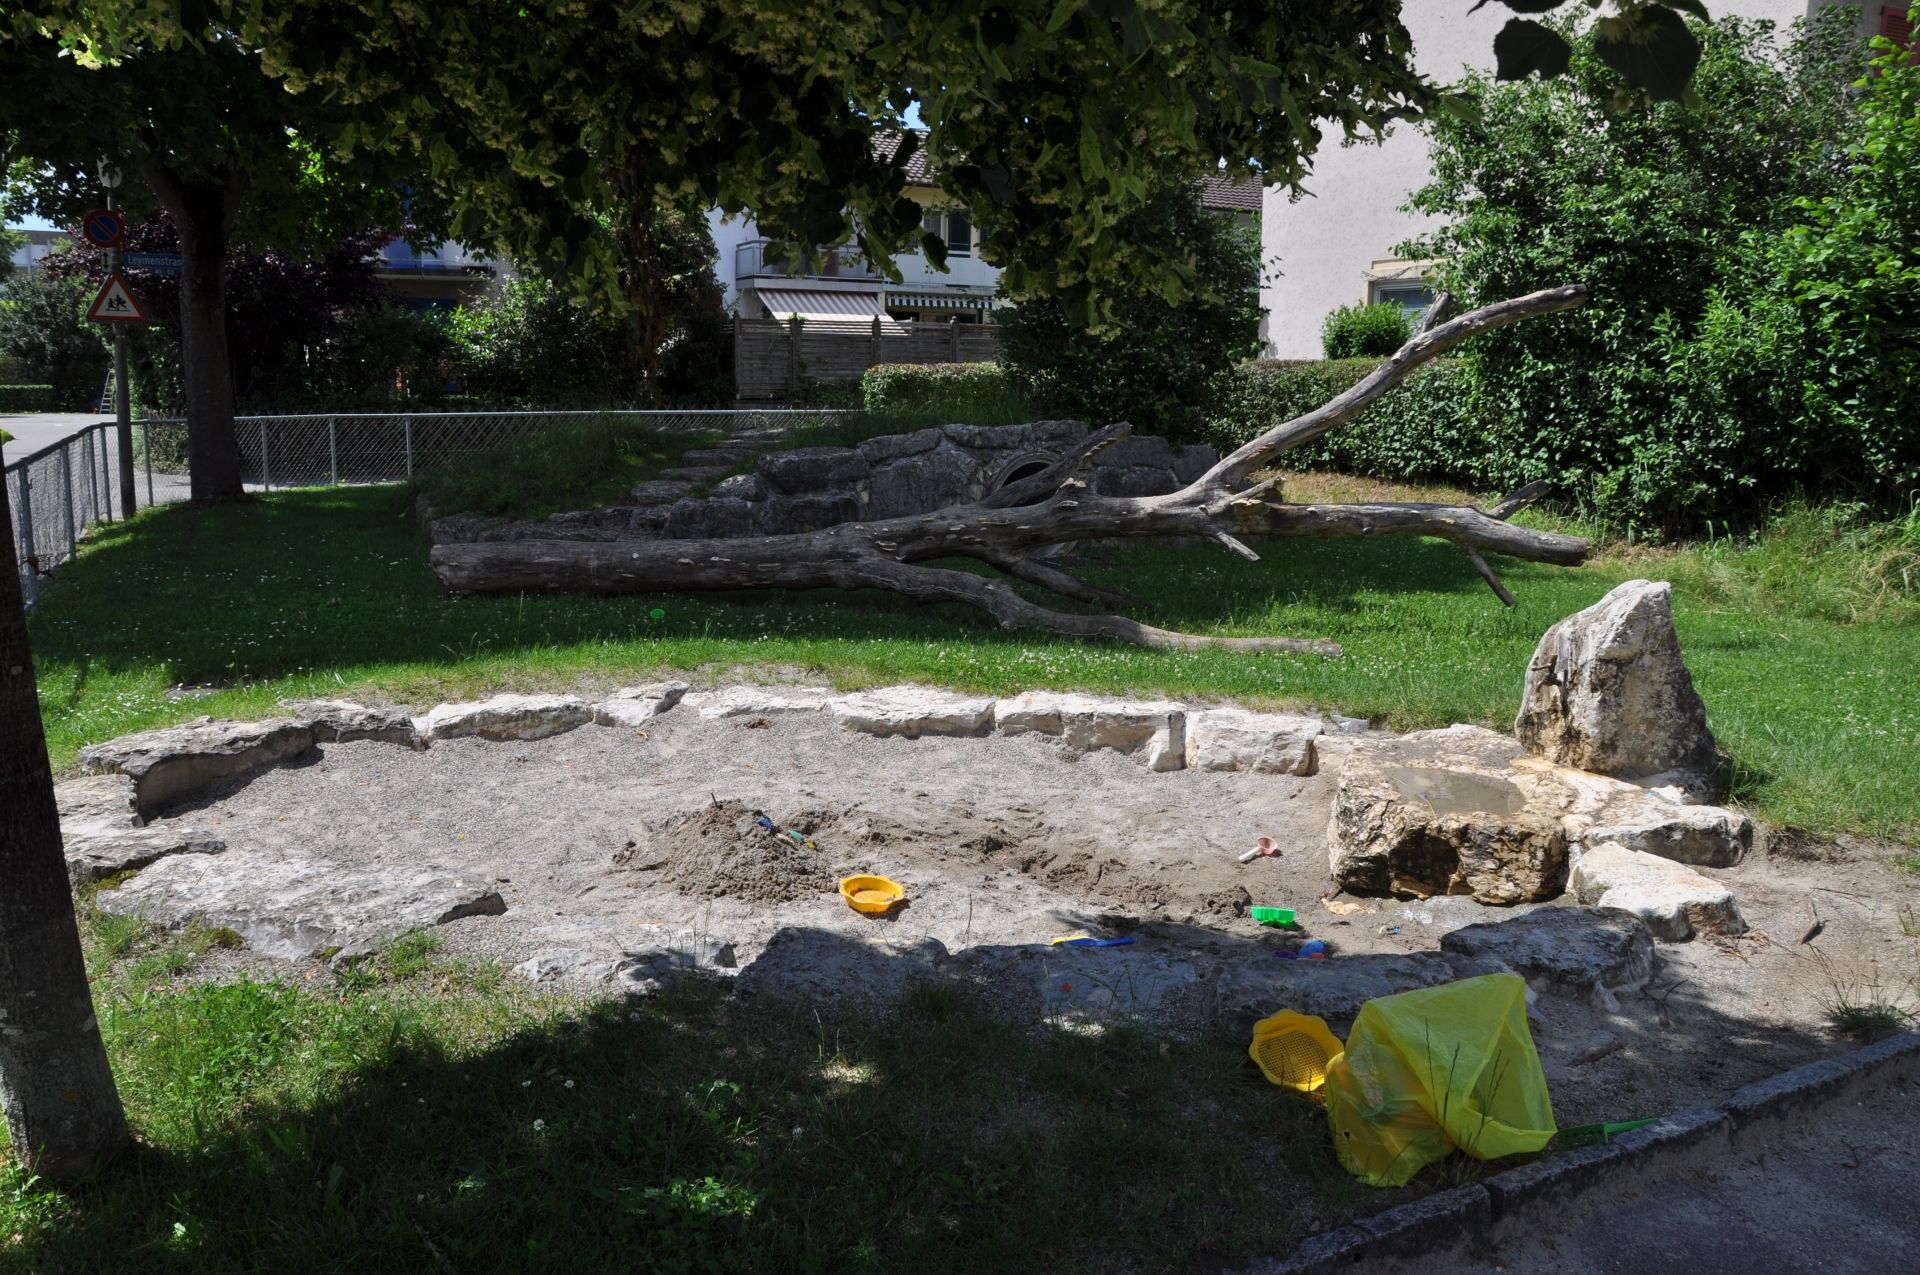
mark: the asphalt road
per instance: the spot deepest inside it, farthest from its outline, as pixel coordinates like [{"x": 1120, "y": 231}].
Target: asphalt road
[{"x": 31, "y": 433}]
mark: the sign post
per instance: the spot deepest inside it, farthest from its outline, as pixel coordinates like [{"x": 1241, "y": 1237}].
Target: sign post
[{"x": 122, "y": 409}]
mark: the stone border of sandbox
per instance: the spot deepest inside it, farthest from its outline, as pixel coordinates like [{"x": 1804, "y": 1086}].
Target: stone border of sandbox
[{"x": 1535, "y": 1198}]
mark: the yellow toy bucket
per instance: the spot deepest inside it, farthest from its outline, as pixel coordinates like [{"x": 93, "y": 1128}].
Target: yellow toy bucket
[
  {"x": 1293, "y": 1051},
  {"x": 872, "y": 895}
]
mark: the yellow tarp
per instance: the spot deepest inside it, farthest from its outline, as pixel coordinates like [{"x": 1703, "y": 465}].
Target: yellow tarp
[{"x": 1425, "y": 1072}]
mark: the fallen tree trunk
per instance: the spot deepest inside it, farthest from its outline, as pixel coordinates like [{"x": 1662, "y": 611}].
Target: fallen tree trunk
[{"x": 1052, "y": 507}]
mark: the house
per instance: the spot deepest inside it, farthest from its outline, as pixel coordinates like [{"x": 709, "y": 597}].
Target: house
[
  {"x": 760, "y": 283},
  {"x": 1336, "y": 245},
  {"x": 39, "y": 242}
]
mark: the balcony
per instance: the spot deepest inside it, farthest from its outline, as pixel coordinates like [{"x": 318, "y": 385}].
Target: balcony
[{"x": 757, "y": 258}]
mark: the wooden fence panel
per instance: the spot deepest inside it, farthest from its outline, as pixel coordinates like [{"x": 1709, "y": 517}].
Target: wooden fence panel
[{"x": 771, "y": 358}]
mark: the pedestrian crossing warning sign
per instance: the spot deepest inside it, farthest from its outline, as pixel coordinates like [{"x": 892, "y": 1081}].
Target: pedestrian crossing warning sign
[{"x": 116, "y": 303}]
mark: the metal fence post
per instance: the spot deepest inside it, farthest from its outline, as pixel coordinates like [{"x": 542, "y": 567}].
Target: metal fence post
[
  {"x": 333, "y": 454},
  {"x": 66, "y": 498},
  {"x": 93, "y": 483},
  {"x": 406, "y": 430},
  {"x": 266, "y": 470},
  {"x": 146, "y": 445},
  {"x": 30, "y": 556},
  {"x": 106, "y": 475}
]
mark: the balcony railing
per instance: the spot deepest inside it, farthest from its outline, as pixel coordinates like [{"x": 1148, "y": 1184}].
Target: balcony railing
[{"x": 759, "y": 257}]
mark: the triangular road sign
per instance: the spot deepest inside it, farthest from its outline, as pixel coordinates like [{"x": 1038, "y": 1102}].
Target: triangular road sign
[{"x": 116, "y": 303}]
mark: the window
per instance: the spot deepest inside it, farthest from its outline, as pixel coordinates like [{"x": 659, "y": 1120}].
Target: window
[
  {"x": 959, "y": 234},
  {"x": 1894, "y": 24}
]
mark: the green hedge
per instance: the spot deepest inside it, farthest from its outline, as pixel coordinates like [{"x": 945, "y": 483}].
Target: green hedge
[
  {"x": 27, "y": 398},
  {"x": 895, "y": 386},
  {"x": 1425, "y": 428}
]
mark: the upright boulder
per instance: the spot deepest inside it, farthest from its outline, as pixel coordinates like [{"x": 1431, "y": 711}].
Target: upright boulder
[{"x": 1607, "y": 691}]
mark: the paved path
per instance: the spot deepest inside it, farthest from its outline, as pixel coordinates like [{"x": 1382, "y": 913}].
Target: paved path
[
  {"x": 31, "y": 433},
  {"x": 1836, "y": 1194}
]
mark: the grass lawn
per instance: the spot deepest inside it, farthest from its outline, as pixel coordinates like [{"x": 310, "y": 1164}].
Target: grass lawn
[
  {"x": 420, "y": 1115},
  {"x": 329, "y": 593}
]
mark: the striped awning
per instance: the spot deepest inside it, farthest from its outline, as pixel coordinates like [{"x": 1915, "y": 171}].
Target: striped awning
[
  {"x": 900, "y": 299},
  {"x": 785, "y": 303}
]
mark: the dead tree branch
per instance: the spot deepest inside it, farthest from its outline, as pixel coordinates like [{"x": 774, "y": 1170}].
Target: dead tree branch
[{"x": 1051, "y": 508}]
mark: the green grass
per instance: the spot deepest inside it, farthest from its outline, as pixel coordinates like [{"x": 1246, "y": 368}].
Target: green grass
[
  {"x": 329, "y": 593},
  {"x": 419, "y": 1122},
  {"x": 561, "y": 469}
]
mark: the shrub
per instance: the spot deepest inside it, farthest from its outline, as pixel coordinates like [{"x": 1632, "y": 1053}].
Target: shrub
[
  {"x": 28, "y": 398},
  {"x": 1685, "y": 393},
  {"x": 1425, "y": 428},
  {"x": 1365, "y": 331},
  {"x": 848, "y": 394},
  {"x": 43, "y": 326},
  {"x": 1154, "y": 361},
  {"x": 893, "y": 387}
]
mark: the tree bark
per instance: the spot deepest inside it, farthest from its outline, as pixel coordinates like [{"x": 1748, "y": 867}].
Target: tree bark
[
  {"x": 62, "y": 1110},
  {"x": 202, "y": 213},
  {"x": 1050, "y": 508}
]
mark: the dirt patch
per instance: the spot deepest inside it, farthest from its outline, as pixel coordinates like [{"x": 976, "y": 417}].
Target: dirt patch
[{"x": 724, "y": 850}]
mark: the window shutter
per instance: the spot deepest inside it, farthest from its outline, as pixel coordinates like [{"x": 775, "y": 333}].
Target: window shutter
[{"x": 1894, "y": 24}]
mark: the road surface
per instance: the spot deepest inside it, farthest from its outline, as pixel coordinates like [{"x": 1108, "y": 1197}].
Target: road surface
[{"x": 32, "y": 432}]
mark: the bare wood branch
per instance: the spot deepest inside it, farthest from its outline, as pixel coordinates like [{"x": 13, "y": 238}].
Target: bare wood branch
[
  {"x": 1236, "y": 546},
  {"x": 1486, "y": 573},
  {"x": 1049, "y": 480},
  {"x": 1518, "y": 500},
  {"x": 1439, "y": 312},
  {"x": 1423, "y": 347},
  {"x": 1048, "y": 576}
]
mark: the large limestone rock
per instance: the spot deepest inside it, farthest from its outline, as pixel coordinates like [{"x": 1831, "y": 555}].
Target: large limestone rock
[
  {"x": 97, "y": 801},
  {"x": 341, "y": 721},
  {"x": 1463, "y": 810},
  {"x": 1152, "y": 731},
  {"x": 1585, "y": 954},
  {"x": 913, "y": 711},
  {"x": 1438, "y": 812},
  {"x": 1674, "y": 901},
  {"x": 296, "y": 908},
  {"x": 1265, "y": 743},
  {"x": 166, "y": 765},
  {"x": 635, "y": 705},
  {"x": 1047, "y": 984},
  {"x": 1607, "y": 691},
  {"x": 506, "y": 717}
]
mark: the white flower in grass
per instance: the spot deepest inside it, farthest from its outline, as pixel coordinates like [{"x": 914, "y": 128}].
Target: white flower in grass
[{"x": 539, "y": 1125}]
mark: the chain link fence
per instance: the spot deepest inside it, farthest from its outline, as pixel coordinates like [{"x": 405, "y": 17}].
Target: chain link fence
[
  {"x": 55, "y": 494},
  {"x": 59, "y": 491}
]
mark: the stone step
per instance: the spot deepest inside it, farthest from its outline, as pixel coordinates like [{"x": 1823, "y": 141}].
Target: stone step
[{"x": 694, "y": 473}]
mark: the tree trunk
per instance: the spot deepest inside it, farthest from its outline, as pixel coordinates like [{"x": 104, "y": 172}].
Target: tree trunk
[
  {"x": 202, "y": 213},
  {"x": 62, "y": 1110},
  {"x": 1052, "y": 507}
]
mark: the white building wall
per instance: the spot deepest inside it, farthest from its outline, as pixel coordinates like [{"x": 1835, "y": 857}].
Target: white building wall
[{"x": 1318, "y": 249}]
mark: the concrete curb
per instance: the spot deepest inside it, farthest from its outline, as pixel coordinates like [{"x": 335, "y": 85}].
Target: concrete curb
[{"x": 1537, "y": 1196}]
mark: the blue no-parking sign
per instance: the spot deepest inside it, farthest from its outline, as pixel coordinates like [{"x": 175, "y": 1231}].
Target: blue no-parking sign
[{"x": 104, "y": 228}]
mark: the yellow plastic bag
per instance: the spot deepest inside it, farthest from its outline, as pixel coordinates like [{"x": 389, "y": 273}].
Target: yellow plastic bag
[{"x": 1428, "y": 1071}]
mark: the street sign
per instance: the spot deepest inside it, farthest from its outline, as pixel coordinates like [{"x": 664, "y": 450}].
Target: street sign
[
  {"x": 116, "y": 303},
  {"x": 104, "y": 228},
  {"x": 158, "y": 262}
]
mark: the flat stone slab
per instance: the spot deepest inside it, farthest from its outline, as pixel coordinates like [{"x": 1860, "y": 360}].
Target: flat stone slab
[
  {"x": 505, "y": 717},
  {"x": 657, "y": 491},
  {"x": 698, "y": 474},
  {"x": 95, "y": 853},
  {"x": 1705, "y": 836},
  {"x": 635, "y": 705},
  {"x": 807, "y": 964},
  {"x": 342, "y": 721},
  {"x": 1151, "y": 731},
  {"x": 297, "y": 908},
  {"x": 913, "y": 711},
  {"x": 759, "y": 701},
  {"x": 1097, "y": 984},
  {"x": 97, "y": 801},
  {"x": 1264, "y": 743},
  {"x": 1335, "y": 988},
  {"x": 1585, "y": 954},
  {"x": 1672, "y": 899},
  {"x": 168, "y": 764}
]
